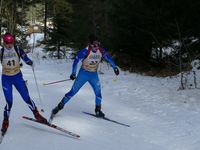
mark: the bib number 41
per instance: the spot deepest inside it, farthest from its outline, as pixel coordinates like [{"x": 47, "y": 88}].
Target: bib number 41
[{"x": 11, "y": 63}]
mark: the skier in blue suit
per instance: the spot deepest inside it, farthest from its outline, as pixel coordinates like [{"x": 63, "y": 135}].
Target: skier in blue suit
[
  {"x": 12, "y": 75},
  {"x": 91, "y": 57}
]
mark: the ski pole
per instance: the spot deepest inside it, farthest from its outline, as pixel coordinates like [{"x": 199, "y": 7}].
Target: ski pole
[
  {"x": 42, "y": 110},
  {"x": 56, "y": 82},
  {"x": 115, "y": 79}
]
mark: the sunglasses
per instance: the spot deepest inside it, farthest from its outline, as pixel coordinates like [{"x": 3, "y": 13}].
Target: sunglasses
[{"x": 95, "y": 44}]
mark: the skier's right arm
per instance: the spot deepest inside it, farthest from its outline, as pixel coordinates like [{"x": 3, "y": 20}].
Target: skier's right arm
[{"x": 80, "y": 55}]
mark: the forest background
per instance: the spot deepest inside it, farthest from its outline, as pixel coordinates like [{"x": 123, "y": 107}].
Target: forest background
[{"x": 154, "y": 37}]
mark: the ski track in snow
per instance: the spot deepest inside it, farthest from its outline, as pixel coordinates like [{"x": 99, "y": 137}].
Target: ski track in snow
[{"x": 161, "y": 116}]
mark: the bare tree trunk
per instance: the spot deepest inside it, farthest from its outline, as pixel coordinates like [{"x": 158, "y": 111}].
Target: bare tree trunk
[
  {"x": 1, "y": 3},
  {"x": 180, "y": 54},
  {"x": 58, "y": 48},
  {"x": 195, "y": 81},
  {"x": 45, "y": 20},
  {"x": 182, "y": 84},
  {"x": 10, "y": 13},
  {"x": 157, "y": 54},
  {"x": 161, "y": 52}
]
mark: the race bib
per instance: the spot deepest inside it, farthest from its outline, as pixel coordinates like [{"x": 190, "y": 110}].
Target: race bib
[{"x": 10, "y": 62}]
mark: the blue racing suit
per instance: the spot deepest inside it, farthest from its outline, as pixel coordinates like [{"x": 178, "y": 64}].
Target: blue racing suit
[
  {"x": 88, "y": 74},
  {"x": 11, "y": 75}
]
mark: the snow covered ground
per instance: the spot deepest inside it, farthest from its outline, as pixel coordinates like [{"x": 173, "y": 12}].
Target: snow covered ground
[{"x": 161, "y": 116}]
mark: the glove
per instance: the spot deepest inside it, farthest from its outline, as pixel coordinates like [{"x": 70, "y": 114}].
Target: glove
[
  {"x": 116, "y": 70},
  {"x": 21, "y": 64},
  {"x": 72, "y": 76},
  {"x": 30, "y": 63}
]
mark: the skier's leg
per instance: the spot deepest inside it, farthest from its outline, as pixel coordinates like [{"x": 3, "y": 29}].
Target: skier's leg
[
  {"x": 7, "y": 90},
  {"x": 78, "y": 83},
  {"x": 21, "y": 87},
  {"x": 96, "y": 86},
  {"x": 23, "y": 90},
  {"x": 81, "y": 79}
]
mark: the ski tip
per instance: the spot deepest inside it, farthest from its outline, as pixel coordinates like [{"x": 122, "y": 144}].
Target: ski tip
[
  {"x": 24, "y": 117},
  {"x": 76, "y": 136}
]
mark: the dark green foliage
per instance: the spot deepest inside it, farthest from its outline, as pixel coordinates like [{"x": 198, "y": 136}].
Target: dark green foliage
[
  {"x": 13, "y": 14},
  {"x": 130, "y": 29},
  {"x": 59, "y": 35}
]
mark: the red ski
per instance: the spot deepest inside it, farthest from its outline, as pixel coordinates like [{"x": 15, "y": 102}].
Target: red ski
[{"x": 54, "y": 127}]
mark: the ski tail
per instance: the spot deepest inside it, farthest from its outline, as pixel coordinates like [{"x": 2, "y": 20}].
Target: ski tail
[
  {"x": 51, "y": 117},
  {"x": 107, "y": 119},
  {"x": 54, "y": 127}
]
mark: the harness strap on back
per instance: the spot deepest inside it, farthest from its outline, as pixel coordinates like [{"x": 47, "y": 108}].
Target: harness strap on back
[{"x": 16, "y": 49}]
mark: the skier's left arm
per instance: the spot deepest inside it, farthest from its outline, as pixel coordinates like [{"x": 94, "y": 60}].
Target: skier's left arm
[
  {"x": 108, "y": 58},
  {"x": 24, "y": 57}
]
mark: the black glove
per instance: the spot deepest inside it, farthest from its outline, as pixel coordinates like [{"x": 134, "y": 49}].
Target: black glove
[
  {"x": 30, "y": 63},
  {"x": 20, "y": 64},
  {"x": 72, "y": 76},
  {"x": 116, "y": 70}
]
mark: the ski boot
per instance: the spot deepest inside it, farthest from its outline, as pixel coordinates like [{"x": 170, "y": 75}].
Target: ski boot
[
  {"x": 5, "y": 125},
  {"x": 56, "y": 110},
  {"x": 98, "y": 112},
  {"x": 39, "y": 117}
]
